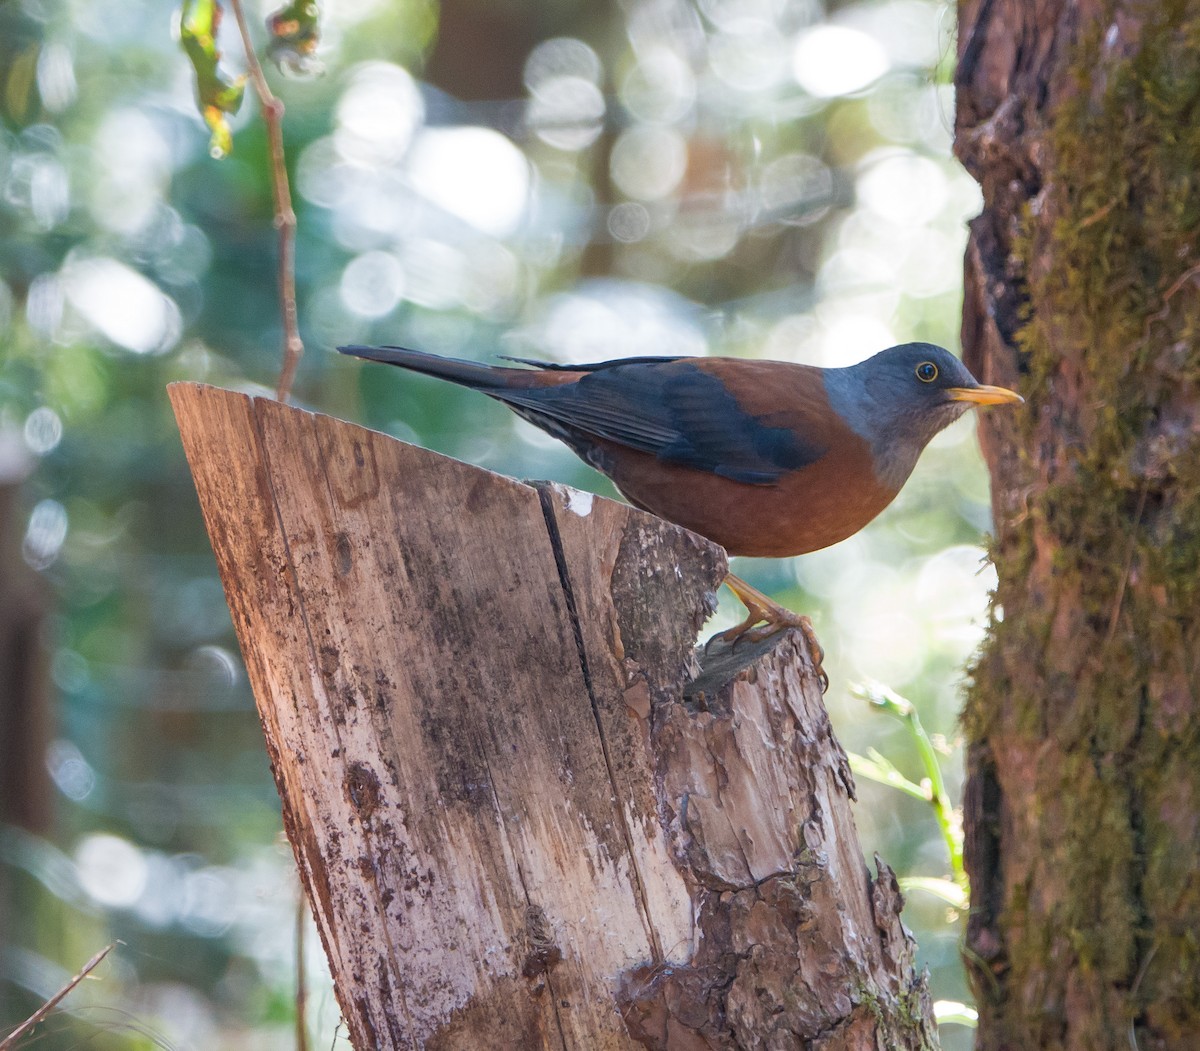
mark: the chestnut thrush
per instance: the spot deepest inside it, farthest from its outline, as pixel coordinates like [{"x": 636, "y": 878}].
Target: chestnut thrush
[{"x": 762, "y": 457}]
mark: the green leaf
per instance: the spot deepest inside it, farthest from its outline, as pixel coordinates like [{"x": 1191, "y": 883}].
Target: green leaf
[
  {"x": 295, "y": 35},
  {"x": 216, "y": 94},
  {"x": 875, "y": 767}
]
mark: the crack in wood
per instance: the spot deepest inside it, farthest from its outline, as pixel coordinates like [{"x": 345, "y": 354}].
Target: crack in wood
[{"x": 564, "y": 577}]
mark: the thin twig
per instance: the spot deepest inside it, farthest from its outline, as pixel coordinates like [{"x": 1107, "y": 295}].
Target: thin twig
[
  {"x": 39, "y": 1015},
  {"x": 1180, "y": 281},
  {"x": 301, "y": 978},
  {"x": 285, "y": 217}
]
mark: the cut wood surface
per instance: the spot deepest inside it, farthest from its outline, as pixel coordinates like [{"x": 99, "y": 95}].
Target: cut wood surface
[{"x": 522, "y": 819}]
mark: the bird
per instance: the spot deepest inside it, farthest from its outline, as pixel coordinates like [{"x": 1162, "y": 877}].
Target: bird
[{"x": 765, "y": 458}]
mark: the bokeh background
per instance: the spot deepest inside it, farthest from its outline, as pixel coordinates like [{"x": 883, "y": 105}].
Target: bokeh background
[{"x": 567, "y": 179}]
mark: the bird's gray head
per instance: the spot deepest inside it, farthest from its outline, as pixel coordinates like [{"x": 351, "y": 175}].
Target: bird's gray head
[{"x": 900, "y": 398}]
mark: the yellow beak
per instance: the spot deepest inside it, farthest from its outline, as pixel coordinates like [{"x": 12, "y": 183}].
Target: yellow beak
[{"x": 983, "y": 395}]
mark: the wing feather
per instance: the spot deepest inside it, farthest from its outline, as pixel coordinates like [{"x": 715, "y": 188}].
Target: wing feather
[{"x": 675, "y": 409}]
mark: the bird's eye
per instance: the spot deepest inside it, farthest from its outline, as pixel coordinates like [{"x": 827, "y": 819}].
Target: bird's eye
[{"x": 927, "y": 372}]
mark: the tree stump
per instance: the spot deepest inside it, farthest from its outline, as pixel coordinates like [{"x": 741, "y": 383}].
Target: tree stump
[{"x": 523, "y": 817}]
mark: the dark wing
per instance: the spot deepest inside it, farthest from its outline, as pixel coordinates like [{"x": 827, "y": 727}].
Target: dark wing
[{"x": 673, "y": 409}]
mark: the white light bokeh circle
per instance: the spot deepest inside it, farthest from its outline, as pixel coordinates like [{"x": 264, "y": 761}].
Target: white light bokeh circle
[
  {"x": 57, "y": 84},
  {"x": 932, "y": 262},
  {"x": 124, "y": 306},
  {"x": 473, "y": 173},
  {"x": 660, "y": 88},
  {"x": 435, "y": 273},
  {"x": 704, "y": 233},
  {"x": 831, "y": 60},
  {"x": 611, "y": 319},
  {"x": 793, "y": 338},
  {"x": 378, "y": 114},
  {"x": 372, "y": 284},
  {"x": 561, "y": 57},
  {"x": 70, "y": 771},
  {"x": 858, "y": 280},
  {"x": 951, "y": 594},
  {"x": 43, "y": 430},
  {"x": 628, "y": 222},
  {"x": 850, "y": 337},
  {"x": 111, "y": 870},
  {"x": 909, "y": 30},
  {"x": 903, "y": 188},
  {"x": 648, "y": 162},
  {"x": 491, "y": 281},
  {"x": 566, "y": 112},
  {"x": 125, "y": 186},
  {"x": 797, "y": 181},
  {"x": 749, "y": 55}
]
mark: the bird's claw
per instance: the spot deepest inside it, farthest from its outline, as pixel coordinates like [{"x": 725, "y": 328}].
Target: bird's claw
[{"x": 765, "y": 618}]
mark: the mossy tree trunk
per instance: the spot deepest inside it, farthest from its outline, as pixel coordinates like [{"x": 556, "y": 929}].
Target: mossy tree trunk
[{"x": 1081, "y": 122}]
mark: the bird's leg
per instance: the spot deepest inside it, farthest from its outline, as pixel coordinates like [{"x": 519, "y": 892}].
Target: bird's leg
[{"x": 765, "y": 617}]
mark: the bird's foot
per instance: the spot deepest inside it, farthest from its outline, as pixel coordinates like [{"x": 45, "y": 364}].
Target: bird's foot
[{"x": 766, "y": 617}]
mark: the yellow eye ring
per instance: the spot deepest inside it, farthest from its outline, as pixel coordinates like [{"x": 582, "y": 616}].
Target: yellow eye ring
[{"x": 927, "y": 372}]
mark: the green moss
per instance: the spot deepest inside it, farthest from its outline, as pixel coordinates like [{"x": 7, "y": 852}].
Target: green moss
[
  {"x": 903, "y": 1019},
  {"x": 1100, "y": 579}
]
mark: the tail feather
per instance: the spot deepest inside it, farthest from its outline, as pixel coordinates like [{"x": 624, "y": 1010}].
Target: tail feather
[
  {"x": 596, "y": 366},
  {"x": 456, "y": 370},
  {"x": 492, "y": 377}
]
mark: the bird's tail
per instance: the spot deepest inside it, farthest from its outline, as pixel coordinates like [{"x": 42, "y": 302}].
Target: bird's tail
[{"x": 467, "y": 373}]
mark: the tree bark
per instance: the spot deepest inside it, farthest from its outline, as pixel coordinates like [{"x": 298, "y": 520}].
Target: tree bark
[
  {"x": 1079, "y": 119},
  {"x": 522, "y": 818}
]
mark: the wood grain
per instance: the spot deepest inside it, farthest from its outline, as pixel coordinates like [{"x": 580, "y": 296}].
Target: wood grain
[{"x": 512, "y": 827}]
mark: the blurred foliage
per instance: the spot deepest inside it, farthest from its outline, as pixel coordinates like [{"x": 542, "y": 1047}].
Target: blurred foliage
[
  {"x": 295, "y": 33},
  {"x": 199, "y": 23},
  {"x": 557, "y": 179}
]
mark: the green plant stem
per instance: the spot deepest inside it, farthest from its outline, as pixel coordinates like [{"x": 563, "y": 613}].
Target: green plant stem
[{"x": 948, "y": 821}]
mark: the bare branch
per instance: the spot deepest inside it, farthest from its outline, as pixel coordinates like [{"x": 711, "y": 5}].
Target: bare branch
[
  {"x": 285, "y": 217},
  {"x": 27, "y": 1027}
]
